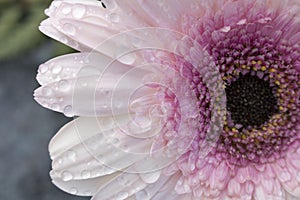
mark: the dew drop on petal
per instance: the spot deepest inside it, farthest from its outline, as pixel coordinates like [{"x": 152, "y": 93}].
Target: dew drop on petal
[
  {"x": 150, "y": 177},
  {"x": 69, "y": 29},
  {"x": 55, "y": 107},
  {"x": 85, "y": 174},
  {"x": 79, "y": 11},
  {"x": 108, "y": 170},
  {"x": 123, "y": 181},
  {"x": 68, "y": 111},
  {"x": 47, "y": 12},
  {"x": 127, "y": 59},
  {"x": 88, "y": 71},
  {"x": 63, "y": 39},
  {"x": 55, "y": 4},
  {"x": 225, "y": 29},
  {"x": 56, "y": 69},
  {"x": 136, "y": 41},
  {"x": 142, "y": 195},
  {"x": 108, "y": 121},
  {"x": 242, "y": 22},
  {"x": 43, "y": 68},
  {"x": 64, "y": 85},
  {"x": 114, "y": 18},
  {"x": 67, "y": 176},
  {"x": 115, "y": 141},
  {"x": 122, "y": 195},
  {"x": 87, "y": 193},
  {"x": 73, "y": 191},
  {"x": 166, "y": 8},
  {"x": 60, "y": 161},
  {"x": 47, "y": 91},
  {"x": 109, "y": 4},
  {"x": 125, "y": 147},
  {"x": 71, "y": 155},
  {"x": 66, "y": 10}
]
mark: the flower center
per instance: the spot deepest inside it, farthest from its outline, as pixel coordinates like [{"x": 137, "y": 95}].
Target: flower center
[
  {"x": 262, "y": 93},
  {"x": 250, "y": 101}
]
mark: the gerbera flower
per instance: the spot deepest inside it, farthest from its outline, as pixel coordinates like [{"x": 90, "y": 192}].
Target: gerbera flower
[{"x": 176, "y": 100}]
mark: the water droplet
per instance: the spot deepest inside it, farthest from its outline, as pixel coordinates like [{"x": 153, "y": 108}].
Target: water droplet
[
  {"x": 118, "y": 105},
  {"x": 136, "y": 41},
  {"x": 64, "y": 85},
  {"x": 60, "y": 161},
  {"x": 55, "y": 107},
  {"x": 125, "y": 147},
  {"x": 47, "y": 91},
  {"x": 84, "y": 84},
  {"x": 63, "y": 39},
  {"x": 66, "y": 10},
  {"x": 55, "y": 4},
  {"x": 79, "y": 11},
  {"x": 150, "y": 177},
  {"x": 71, "y": 155},
  {"x": 142, "y": 195},
  {"x": 73, "y": 191},
  {"x": 43, "y": 68},
  {"x": 128, "y": 59},
  {"x": 114, "y": 18},
  {"x": 88, "y": 71},
  {"x": 109, "y": 4},
  {"x": 68, "y": 111},
  {"x": 85, "y": 174},
  {"x": 67, "y": 176},
  {"x": 108, "y": 170},
  {"x": 122, "y": 195},
  {"x": 225, "y": 29},
  {"x": 108, "y": 121},
  {"x": 160, "y": 2},
  {"x": 166, "y": 8},
  {"x": 56, "y": 69},
  {"x": 47, "y": 12},
  {"x": 143, "y": 122},
  {"x": 123, "y": 181},
  {"x": 69, "y": 29},
  {"x": 99, "y": 157},
  {"x": 242, "y": 22},
  {"x": 115, "y": 141},
  {"x": 87, "y": 193},
  {"x": 73, "y": 44}
]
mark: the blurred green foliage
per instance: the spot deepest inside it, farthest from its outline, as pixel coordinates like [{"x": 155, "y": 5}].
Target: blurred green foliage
[{"x": 19, "y": 21}]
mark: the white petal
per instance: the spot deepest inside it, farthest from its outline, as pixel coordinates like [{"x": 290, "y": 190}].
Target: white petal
[
  {"x": 86, "y": 187},
  {"x": 101, "y": 95},
  {"x": 96, "y": 30},
  {"x": 47, "y": 28},
  {"x": 76, "y": 131},
  {"x": 167, "y": 191},
  {"x": 92, "y": 147},
  {"x": 288, "y": 196},
  {"x": 120, "y": 188},
  {"x": 79, "y": 65},
  {"x": 167, "y": 13},
  {"x": 123, "y": 15},
  {"x": 269, "y": 190},
  {"x": 152, "y": 189}
]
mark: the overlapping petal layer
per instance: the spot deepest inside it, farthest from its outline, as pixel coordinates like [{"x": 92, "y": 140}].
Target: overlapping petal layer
[{"x": 150, "y": 82}]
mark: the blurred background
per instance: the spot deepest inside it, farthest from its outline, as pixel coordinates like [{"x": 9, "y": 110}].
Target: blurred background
[{"x": 25, "y": 127}]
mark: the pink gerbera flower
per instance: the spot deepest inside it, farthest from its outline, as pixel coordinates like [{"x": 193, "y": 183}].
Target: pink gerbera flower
[{"x": 176, "y": 99}]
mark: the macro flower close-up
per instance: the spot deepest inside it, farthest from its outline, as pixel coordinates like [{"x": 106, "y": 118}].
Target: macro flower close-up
[{"x": 175, "y": 100}]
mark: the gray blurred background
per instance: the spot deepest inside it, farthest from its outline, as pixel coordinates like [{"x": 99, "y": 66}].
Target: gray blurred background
[{"x": 25, "y": 127}]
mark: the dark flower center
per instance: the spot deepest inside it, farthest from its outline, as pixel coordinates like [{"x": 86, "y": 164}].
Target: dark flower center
[
  {"x": 262, "y": 93},
  {"x": 251, "y": 101}
]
